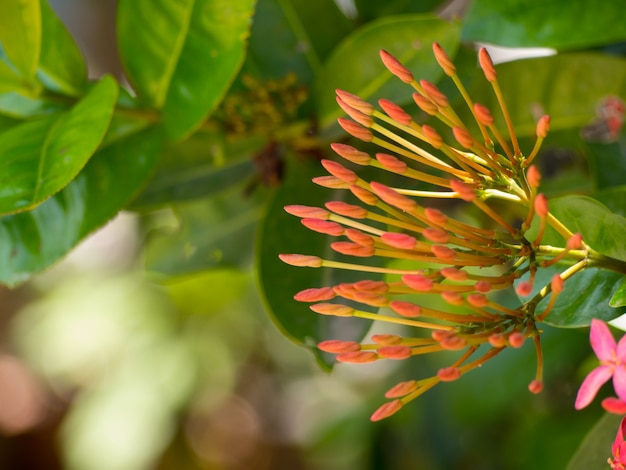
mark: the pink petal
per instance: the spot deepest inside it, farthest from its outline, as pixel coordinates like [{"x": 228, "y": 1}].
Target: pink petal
[
  {"x": 619, "y": 381},
  {"x": 602, "y": 340},
  {"x": 621, "y": 349},
  {"x": 614, "y": 405},
  {"x": 590, "y": 386}
]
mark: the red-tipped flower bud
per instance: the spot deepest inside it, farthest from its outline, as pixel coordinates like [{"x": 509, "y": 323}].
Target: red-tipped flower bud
[
  {"x": 483, "y": 114},
  {"x": 541, "y": 205},
  {"x": 395, "y": 112},
  {"x": 533, "y": 176},
  {"x": 301, "y": 260},
  {"x": 435, "y": 94},
  {"x": 444, "y": 60},
  {"x": 543, "y": 126},
  {"x": 395, "y": 67},
  {"x": 386, "y": 410},
  {"x": 425, "y": 104},
  {"x": 487, "y": 65},
  {"x": 355, "y": 130},
  {"x": 355, "y": 102}
]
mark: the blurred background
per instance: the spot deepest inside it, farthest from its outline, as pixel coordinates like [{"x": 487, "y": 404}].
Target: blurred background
[{"x": 106, "y": 365}]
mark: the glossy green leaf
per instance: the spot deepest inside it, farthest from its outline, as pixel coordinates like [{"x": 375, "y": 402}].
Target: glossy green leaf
[
  {"x": 286, "y": 37},
  {"x": 61, "y": 67},
  {"x": 619, "y": 297},
  {"x": 182, "y": 56},
  {"x": 212, "y": 232},
  {"x": 585, "y": 296},
  {"x": 562, "y": 24},
  {"x": 607, "y": 162},
  {"x": 203, "y": 165},
  {"x": 596, "y": 447},
  {"x": 602, "y": 230},
  {"x": 534, "y": 87},
  {"x": 20, "y": 34},
  {"x": 282, "y": 233},
  {"x": 41, "y": 157},
  {"x": 355, "y": 65},
  {"x": 34, "y": 240},
  {"x": 19, "y": 104}
]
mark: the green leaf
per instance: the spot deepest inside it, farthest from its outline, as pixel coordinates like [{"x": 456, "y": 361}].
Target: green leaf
[
  {"x": 533, "y": 87},
  {"x": 34, "y": 240},
  {"x": 20, "y": 34},
  {"x": 596, "y": 447},
  {"x": 369, "y": 10},
  {"x": 562, "y": 24},
  {"x": 602, "y": 230},
  {"x": 61, "y": 68},
  {"x": 9, "y": 80},
  {"x": 355, "y": 65},
  {"x": 282, "y": 233},
  {"x": 585, "y": 296},
  {"x": 182, "y": 56},
  {"x": 286, "y": 37},
  {"x": 212, "y": 232},
  {"x": 39, "y": 158},
  {"x": 619, "y": 297},
  {"x": 205, "y": 164}
]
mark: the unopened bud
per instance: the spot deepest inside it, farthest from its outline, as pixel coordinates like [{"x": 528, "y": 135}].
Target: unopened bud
[
  {"x": 543, "y": 126},
  {"x": 487, "y": 65},
  {"x": 395, "y": 67},
  {"x": 483, "y": 114},
  {"x": 449, "y": 374},
  {"x": 395, "y": 112},
  {"x": 314, "y": 294},
  {"x": 386, "y": 410},
  {"x": 351, "y": 154},
  {"x": 444, "y": 60}
]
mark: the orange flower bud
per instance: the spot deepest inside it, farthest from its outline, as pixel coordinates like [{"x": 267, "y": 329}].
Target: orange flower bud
[
  {"x": 315, "y": 294},
  {"x": 351, "y": 154},
  {"x": 352, "y": 249},
  {"x": 340, "y": 171},
  {"x": 391, "y": 163},
  {"x": 301, "y": 260},
  {"x": 444, "y": 60},
  {"x": 307, "y": 211},
  {"x": 336, "y": 310},
  {"x": 386, "y": 410},
  {"x": 355, "y": 130},
  {"x": 395, "y": 112},
  {"x": 355, "y": 102},
  {"x": 487, "y": 65},
  {"x": 395, "y": 67},
  {"x": 402, "y": 389}
]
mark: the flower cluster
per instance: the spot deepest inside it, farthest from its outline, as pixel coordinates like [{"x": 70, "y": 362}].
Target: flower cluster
[
  {"x": 612, "y": 357},
  {"x": 431, "y": 253}
]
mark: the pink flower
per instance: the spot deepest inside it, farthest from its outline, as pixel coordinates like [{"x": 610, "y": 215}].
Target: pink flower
[
  {"x": 612, "y": 358},
  {"x": 618, "y": 462}
]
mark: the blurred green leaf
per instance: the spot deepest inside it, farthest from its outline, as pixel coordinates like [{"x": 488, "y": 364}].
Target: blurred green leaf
[
  {"x": 286, "y": 37},
  {"x": 182, "y": 56},
  {"x": 20, "y": 34},
  {"x": 211, "y": 232},
  {"x": 602, "y": 230},
  {"x": 19, "y": 106},
  {"x": 41, "y": 157},
  {"x": 281, "y": 233},
  {"x": 355, "y": 65},
  {"x": 614, "y": 198},
  {"x": 62, "y": 67},
  {"x": 9, "y": 80},
  {"x": 534, "y": 87},
  {"x": 34, "y": 240},
  {"x": 562, "y": 24},
  {"x": 204, "y": 165},
  {"x": 607, "y": 162},
  {"x": 369, "y": 10},
  {"x": 596, "y": 447}
]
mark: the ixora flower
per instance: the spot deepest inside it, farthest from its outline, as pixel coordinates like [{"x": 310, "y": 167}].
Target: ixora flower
[
  {"x": 446, "y": 257},
  {"x": 612, "y": 358},
  {"x": 618, "y": 462}
]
